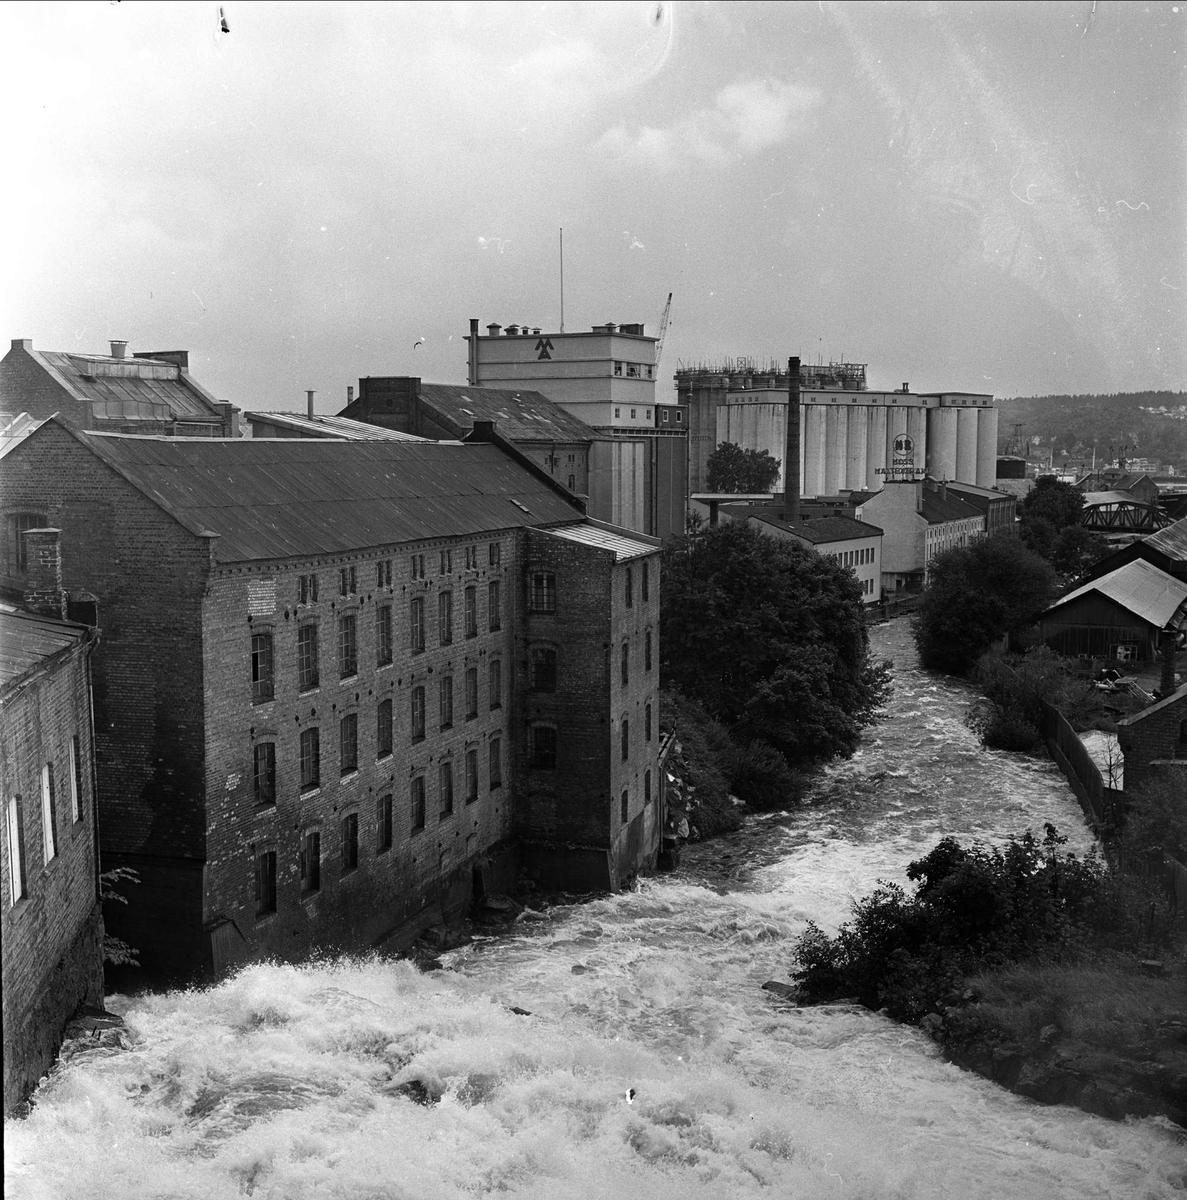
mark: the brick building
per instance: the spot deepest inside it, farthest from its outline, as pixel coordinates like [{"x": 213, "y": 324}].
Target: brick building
[
  {"x": 1155, "y": 740},
  {"x": 52, "y": 926},
  {"x": 310, "y": 693},
  {"x": 151, "y": 392}
]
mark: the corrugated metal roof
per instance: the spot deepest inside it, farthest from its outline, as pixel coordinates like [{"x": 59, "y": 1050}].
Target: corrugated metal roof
[
  {"x": 339, "y": 427},
  {"x": 272, "y": 498},
  {"x": 1172, "y": 540},
  {"x": 1138, "y": 586},
  {"x": 1176, "y": 697},
  {"x": 26, "y": 640},
  {"x": 605, "y": 539},
  {"x": 1110, "y": 498},
  {"x": 131, "y": 388},
  {"x": 519, "y": 416},
  {"x": 16, "y": 431}
]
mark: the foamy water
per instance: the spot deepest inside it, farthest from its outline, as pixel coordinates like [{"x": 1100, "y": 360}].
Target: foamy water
[{"x": 647, "y": 1061}]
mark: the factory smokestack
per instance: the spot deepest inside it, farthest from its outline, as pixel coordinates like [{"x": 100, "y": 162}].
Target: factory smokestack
[
  {"x": 309, "y": 403},
  {"x": 791, "y": 447}
]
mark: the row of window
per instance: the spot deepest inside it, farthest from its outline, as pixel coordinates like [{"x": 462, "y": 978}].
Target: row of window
[
  {"x": 542, "y": 741},
  {"x": 348, "y": 579},
  {"x": 625, "y": 803},
  {"x": 853, "y": 558},
  {"x": 15, "y": 820},
  {"x": 494, "y": 614},
  {"x": 618, "y": 414},
  {"x": 310, "y": 856},
  {"x": 630, "y": 370},
  {"x": 542, "y": 661}
]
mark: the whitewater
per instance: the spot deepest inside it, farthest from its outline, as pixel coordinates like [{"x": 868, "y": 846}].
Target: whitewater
[{"x": 618, "y": 1048}]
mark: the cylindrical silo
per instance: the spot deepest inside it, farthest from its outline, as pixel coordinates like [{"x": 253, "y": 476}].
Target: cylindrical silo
[
  {"x": 896, "y": 424},
  {"x": 986, "y": 447},
  {"x": 855, "y": 461},
  {"x": 836, "y": 440},
  {"x": 876, "y": 448},
  {"x": 941, "y": 443},
  {"x": 917, "y": 431},
  {"x": 814, "y": 450},
  {"x": 966, "y": 445}
]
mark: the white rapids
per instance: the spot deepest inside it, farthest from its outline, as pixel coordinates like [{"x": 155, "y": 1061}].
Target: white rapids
[{"x": 647, "y": 1061}]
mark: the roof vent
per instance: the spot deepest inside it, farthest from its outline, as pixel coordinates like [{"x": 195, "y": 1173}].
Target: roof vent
[
  {"x": 493, "y": 330},
  {"x": 512, "y": 330},
  {"x": 119, "y": 349}
]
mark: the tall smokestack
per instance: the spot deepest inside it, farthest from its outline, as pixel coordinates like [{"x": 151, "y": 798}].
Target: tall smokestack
[
  {"x": 473, "y": 356},
  {"x": 791, "y": 447},
  {"x": 309, "y": 402}
]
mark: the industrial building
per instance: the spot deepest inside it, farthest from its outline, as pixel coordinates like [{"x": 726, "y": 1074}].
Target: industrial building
[{"x": 341, "y": 684}]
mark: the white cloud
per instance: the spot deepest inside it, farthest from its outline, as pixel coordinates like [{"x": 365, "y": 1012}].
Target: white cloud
[{"x": 745, "y": 117}]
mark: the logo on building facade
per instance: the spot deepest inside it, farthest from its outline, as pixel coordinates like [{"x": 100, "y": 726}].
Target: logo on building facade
[
  {"x": 902, "y": 460},
  {"x": 543, "y": 346},
  {"x": 904, "y": 447}
]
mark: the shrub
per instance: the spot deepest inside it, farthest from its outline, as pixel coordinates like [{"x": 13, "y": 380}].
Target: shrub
[{"x": 760, "y": 776}]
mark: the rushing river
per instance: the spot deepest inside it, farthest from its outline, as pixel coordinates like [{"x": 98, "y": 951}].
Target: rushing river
[{"x": 646, "y": 1063}]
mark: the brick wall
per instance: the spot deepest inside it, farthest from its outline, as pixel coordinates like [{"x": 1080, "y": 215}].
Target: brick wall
[
  {"x": 1156, "y": 735},
  {"x": 26, "y": 386},
  {"x": 52, "y": 935}
]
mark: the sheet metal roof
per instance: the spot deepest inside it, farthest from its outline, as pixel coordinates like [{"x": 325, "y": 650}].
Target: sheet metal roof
[
  {"x": 605, "y": 539},
  {"x": 132, "y": 388},
  {"x": 270, "y": 498},
  {"x": 1172, "y": 540},
  {"x": 1176, "y": 697},
  {"x": 17, "y": 430},
  {"x": 1141, "y": 588},
  {"x": 820, "y": 530},
  {"x": 27, "y": 640},
  {"x": 939, "y": 509},
  {"x": 338, "y": 427},
  {"x": 1110, "y": 498},
  {"x": 519, "y": 416}
]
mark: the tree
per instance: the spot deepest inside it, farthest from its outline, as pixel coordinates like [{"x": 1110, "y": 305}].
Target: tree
[
  {"x": 743, "y": 472},
  {"x": 976, "y": 594},
  {"x": 1062, "y": 504},
  {"x": 770, "y": 639}
]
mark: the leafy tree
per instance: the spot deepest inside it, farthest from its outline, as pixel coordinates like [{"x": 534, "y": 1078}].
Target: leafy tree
[
  {"x": 732, "y": 469},
  {"x": 976, "y": 594},
  {"x": 1076, "y": 549},
  {"x": 1053, "y": 500},
  {"x": 770, "y": 638}
]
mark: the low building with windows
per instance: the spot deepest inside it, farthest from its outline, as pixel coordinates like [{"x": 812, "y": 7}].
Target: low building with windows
[
  {"x": 313, "y": 711},
  {"x": 52, "y": 926}
]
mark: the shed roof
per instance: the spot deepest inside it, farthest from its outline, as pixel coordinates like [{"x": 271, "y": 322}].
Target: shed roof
[
  {"x": 599, "y": 536},
  {"x": 520, "y": 416},
  {"x": 1171, "y": 541},
  {"x": 333, "y": 427},
  {"x": 271, "y": 498},
  {"x": 1176, "y": 697},
  {"x": 1141, "y": 588},
  {"x": 27, "y": 640}
]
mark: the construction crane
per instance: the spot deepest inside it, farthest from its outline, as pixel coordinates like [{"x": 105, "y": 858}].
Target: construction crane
[{"x": 663, "y": 330}]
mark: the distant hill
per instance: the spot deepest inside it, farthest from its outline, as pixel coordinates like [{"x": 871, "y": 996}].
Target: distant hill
[{"x": 1147, "y": 424}]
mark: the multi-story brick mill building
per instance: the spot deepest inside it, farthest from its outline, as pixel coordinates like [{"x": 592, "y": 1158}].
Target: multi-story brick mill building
[{"x": 338, "y": 681}]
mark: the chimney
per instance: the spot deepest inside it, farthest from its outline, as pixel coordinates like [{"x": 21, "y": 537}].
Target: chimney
[
  {"x": 943, "y": 489},
  {"x": 349, "y": 394},
  {"x": 43, "y": 587},
  {"x": 906, "y": 387},
  {"x": 119, "y": 349},
  {"x": 791, "y": 446},
  {"x": 22, "y": 343},
  {"x": 309, "y": 402},
  {"x": 473, "y": 355}
]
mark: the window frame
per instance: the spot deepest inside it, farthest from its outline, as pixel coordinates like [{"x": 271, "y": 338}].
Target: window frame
[
  {"x": 471, "y": 693},
  {"x": 494, "y": 682},
  {"x": 348, "y": 645},
  {"x": 543, "y": 747},
  {"x": 384, "y": 642},
  {"x": 417, "y": 712},
  {"x": 16, "y": 849},
  {"x": 263, "y": 674},
  {"x": 49, "y": 823},
  {"x": 384, "y": 729},
  {"x": 349, "y": 834},
  {"x": 416, "y": 803},
  {"x": 263, "y": 773},
  {"x": 470, "y": 610},
  {"x": 445, "y": 617},
  {"x": 74, "y": 750},
  {"x": 445, "y": 789},
  {"x": 348, "y": 744},
  {"x": 471, "y": 775},
  {"x": 310, "y": 742},
  {"x": 265, "y": 872},
  {"x": 416, "y": 624},
  {"x": 384, "y": 824},
  {"x": 494, "y": 605},
  {"x": 495, "y": 762},
  {"x": 542, "y": 669},
  {"x": 309, "y": 861},
  {"x": 542, "y": 592},
  {"x": 308, "y": 657}
]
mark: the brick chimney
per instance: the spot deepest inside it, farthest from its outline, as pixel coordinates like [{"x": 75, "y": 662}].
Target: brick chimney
[{"x": 43, "y": 589}]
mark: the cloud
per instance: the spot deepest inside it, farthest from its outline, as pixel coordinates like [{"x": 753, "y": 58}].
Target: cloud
[{"x": 745, "y": 118}]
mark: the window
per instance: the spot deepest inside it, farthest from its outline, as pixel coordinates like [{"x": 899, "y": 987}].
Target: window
[
  {"x": 445, "y": 618},
  {"x": 496, "y": 763},
  {"x": 307, "y": 674},
  {"x": 266, "y": 883},
  {"x": 445, "y": 701},
  {"x": 646, "y": 787},
  {"x": 626, "y": 663},
  {"x": 16, "y": 852},
  {"x": 543, "y": 592},
  {"x": 348, "y": 744},
  {"x": 645, "y": 580},
  {"x": 471, "y": 558},
  {"x": 629, "y": 589},
  {"x": 496, "y": 683},
  {"x": 261, "y": 668},
  {"x": 49, "y": 832},
  {"x": 471, "y": 607},
  {"x": 647, "y": 723},
  {"x": 647, "y": 651},
  {"x": 348, "y": 650},
  {"x": 493, "y": 553},
  {"x": 618, "y": 411},
  {"x": 263, "y": 772},
  {"x": 625, "y": 806},
  {"x": 445, "y": 789},
  {"x": 306, "y": 589},
  {"x": 617, "y": 371},
  {"x": 417, "y": 797},
  {"x": 418, "y": 566},
  {"x": 633, "y": 372},
  {"x": 347, "y": 585},
  {"x": 626, "y": 739},
  {"x": 383, "y": 573},
  {"x": 446, "y": 562},
  {"x": 572, "y": 483},
  {"x": 18, "y": 554},
  {"x": 311, "y": 861},
  {"x": 75, "y": 780},
  {"x": 471, "y": 692},
  {"x": 416, "y": 624},
  {"x": 471, "y": 776},
  {"x": 383, "y": 824},
  {"x": 383, "y": 635},
  {"x": 543, "y": 664},
  {"x": 310, "y": 759},
  {"x": 494, "y": 604},
  {"x": 679, "y": 415},
  {"x": 383, "y": 729},
  {"x": 543, "y": 747},
  {"x": 664, "y": 417},
  {"x": 418, "y": 713},
  {"x": 350, "y": 842}
]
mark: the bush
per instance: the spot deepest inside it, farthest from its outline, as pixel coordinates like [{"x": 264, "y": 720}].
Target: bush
[
  {"x": 760, "y": 776},
  {"x": 705, "y": 755}
]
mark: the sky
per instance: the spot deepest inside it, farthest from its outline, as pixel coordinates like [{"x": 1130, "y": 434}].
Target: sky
[{"x": 985, "y": 197}]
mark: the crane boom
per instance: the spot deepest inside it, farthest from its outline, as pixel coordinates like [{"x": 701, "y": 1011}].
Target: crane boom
[{"x": 663, "y": 330}]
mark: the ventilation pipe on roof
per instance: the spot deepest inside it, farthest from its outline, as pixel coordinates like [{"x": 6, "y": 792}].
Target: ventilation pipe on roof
[
  {"x": 309, "y": 402},
  {"x": 119, "y": 349},
  {"x": 473, "y": 355}
]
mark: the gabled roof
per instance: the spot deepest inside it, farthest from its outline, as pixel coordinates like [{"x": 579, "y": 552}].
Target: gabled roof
[
  {"x": 1176, "y": 697},
  {"x": 817, "y": 530},
  {"x": 27, "y": 640},
  {"x": 269, "y": 498},
  {"x": 1141, "y": 588},
  {"x": 973, "y": 489},
  {"x": 16, "y": 431},
  {"x": 333, "y": 427},
  {"x": 1113, "y": 497},
  {"x": 1171, "y": 541},
  {"x": 519, "y": 416}
]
